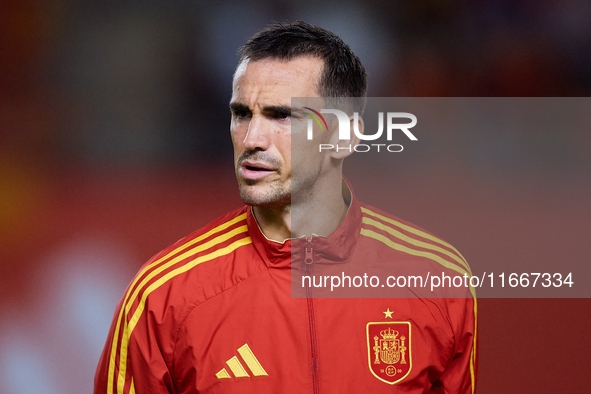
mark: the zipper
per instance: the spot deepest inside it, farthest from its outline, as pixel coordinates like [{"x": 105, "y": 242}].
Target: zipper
[
  {"x": 309, "y": 260},
  {"x": 308, "y": 256}
]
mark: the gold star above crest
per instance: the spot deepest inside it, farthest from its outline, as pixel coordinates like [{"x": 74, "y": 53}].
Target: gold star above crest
[{"x": 388, "y": 313}]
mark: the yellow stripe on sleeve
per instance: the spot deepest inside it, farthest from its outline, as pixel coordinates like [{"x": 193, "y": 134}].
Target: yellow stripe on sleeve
[
  {"x": 416, "y": 232},
  {"x": 416, "y": 242},
  {"x": 473, "y": 355},
  {"x": 138, "y": 312},
  {"x": 405, "y": 249},
  {"x": 112, "y": 361}
]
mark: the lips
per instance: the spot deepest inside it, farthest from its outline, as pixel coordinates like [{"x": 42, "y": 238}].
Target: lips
[{"x": 255, "y": 170}]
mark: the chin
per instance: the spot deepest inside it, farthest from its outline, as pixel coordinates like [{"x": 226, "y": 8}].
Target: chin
[{"x": 258, "y": 196}]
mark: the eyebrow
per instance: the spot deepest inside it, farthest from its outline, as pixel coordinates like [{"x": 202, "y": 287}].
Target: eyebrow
[
  {"x": 268, "y": 108},
  {"x": 238, "y": 107},
  {"x": 277, "y": 108}
]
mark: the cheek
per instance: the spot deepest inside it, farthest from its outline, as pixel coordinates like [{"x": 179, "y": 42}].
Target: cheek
[
  {"x": 237, "y": 135},
  {"x": 286, "y": 149}
]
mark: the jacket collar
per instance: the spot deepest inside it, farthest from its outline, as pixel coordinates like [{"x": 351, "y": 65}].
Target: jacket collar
[{"x": 335, "y": 248}]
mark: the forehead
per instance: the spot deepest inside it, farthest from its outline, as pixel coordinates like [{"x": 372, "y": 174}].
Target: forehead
[{"x": 276, "y": 80}]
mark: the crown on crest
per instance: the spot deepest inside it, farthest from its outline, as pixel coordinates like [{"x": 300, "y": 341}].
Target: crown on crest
[{"x": 389, "y": 334}]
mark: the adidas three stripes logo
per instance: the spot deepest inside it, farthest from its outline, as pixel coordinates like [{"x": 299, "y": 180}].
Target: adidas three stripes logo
[{"x": 236, "y": 367}]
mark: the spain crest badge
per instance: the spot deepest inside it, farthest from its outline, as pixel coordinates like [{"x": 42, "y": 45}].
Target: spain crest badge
[{"x": 389, "y": 350}]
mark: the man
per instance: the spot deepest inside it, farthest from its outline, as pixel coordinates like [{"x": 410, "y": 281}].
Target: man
[{"x": 214, "y": 312}]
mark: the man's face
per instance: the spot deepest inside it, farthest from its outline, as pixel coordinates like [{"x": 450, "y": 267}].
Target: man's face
[{"x": 261, "y": 127}]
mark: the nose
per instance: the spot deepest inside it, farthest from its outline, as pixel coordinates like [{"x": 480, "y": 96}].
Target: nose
[{"x": 257, "y": 135}]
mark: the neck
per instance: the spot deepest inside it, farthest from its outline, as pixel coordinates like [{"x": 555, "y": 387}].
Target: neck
[{"x": 319, "y": 214}]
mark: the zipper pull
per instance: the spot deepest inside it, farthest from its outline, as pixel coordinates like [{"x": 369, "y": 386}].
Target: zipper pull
[{"x": 308, "y": 255}]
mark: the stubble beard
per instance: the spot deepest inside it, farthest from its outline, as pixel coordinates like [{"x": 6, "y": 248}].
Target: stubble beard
[{"x": 276, "y": 194}]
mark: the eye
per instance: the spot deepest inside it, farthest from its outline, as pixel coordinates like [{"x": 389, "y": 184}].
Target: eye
[
  {"x": 282, "y": 115},
  {"x": 241, "y": 113}
]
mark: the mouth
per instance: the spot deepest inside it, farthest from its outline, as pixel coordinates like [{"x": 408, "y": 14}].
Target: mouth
[{"x": 254, "y": 170}]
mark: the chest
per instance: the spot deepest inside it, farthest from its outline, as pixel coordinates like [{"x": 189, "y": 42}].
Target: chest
[{"x": 256, "y": 338}]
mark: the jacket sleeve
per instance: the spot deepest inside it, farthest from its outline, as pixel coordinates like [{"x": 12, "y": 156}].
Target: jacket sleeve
[
  {"x": 460, "y": 373},
  {"x": 132, "y": 360}
]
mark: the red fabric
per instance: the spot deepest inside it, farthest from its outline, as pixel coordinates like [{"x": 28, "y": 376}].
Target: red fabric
[{"x": 196, "y": 316}]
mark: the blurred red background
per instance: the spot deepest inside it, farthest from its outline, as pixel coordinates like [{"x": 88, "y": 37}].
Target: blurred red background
[{"x": 114, "y": 144}]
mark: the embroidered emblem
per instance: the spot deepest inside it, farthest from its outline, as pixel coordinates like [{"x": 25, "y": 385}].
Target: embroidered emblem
[
  {"x": 238, "y": 369},
  {"x": 389, "y": 350}
]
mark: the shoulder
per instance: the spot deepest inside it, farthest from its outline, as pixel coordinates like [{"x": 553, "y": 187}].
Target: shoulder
[
  {"x": 409, "y": 239},
  {"x": 431, "y": 267},
  {"x": 221, "y": 229},
  {"x": 198, "y": 266}
]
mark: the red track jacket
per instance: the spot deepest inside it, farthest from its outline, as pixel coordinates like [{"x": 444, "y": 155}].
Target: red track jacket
[{"x": 214, "y": 313}]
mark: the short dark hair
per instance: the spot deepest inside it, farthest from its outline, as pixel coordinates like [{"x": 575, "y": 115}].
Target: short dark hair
[{"x": 343, "y": 74}]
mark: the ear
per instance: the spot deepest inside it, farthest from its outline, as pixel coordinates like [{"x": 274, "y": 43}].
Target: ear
[{"x": 343, "y": 148}]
